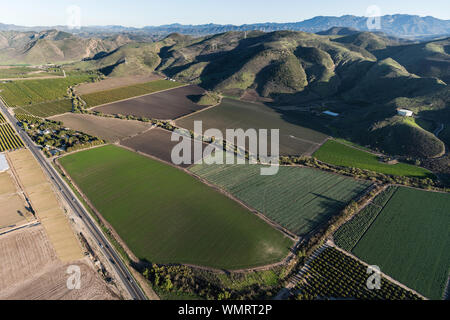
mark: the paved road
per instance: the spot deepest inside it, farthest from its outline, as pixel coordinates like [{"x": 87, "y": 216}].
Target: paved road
[{"x": 76, "y": 206}]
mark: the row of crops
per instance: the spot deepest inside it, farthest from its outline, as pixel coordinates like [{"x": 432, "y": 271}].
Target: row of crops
[
  {"x": 299, "y": 199},
  {"x": 28, "y": 92},
  {"x": 23, "y": 116},
  {"x": 9, "y": 140},
  {"x": 48, "y": 109},
  {"x": 108, "y": 96},
  {"x": 2, "y": 119},
  {"x": 334, "y": 275},
  {"x": 350, "y": 233}
]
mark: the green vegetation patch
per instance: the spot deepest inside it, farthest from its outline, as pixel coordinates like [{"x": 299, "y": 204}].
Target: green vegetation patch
[
  {"x": 167, "y": 216},
  {"x": 409, "y": 241},
  {"x": 27, "y": 92},
  {"x": 108, "y": 96},
  {"x": 48, "y": 109},
  {"x": 338, "y": 154},
  {"x": 299, "y": 199}
]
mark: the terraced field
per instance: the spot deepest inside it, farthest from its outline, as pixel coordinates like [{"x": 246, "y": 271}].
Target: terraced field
[
  {"x": 409, "y": 240},
  {"x": 108, "y": 96},
  {"x": 234, "y": 114},
  {"x": 338, "y": 154},
  {"x": 167, "y": 216},
  {"x": 299, "y": 199}
]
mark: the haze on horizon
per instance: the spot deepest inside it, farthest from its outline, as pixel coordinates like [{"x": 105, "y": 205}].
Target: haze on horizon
[{"x": 139, "y": 13}]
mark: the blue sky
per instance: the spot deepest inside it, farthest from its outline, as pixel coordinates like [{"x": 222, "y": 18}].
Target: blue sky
[{"x": 139, "y": 13}]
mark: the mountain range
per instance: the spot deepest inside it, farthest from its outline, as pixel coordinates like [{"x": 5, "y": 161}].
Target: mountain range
[{"x": 399, "y": 25}]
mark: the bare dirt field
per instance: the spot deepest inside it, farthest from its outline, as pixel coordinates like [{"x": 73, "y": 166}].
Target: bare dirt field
[
  {"x": 112, "y": 83},
  {"x": 109, "y": 129},
  {"x": 43, "y": 200},
  {"x": 30, "y": 270},
  {"x": 157, "y": 143},
  {"x": 166, "y": 105},
  {"x": 13, "y": 209}
]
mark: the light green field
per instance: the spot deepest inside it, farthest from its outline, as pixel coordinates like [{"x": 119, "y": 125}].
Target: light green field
[
  {"x": 410, "y": 241},
  {"x": 47, "y": 109},
  {"x": 338, "y": 154},
  {"x": 27, "y": 92},
  {"x": 108, "y": 96},
  {"x": 299, "y": 199},
  {"x": 166, "y": 216}
]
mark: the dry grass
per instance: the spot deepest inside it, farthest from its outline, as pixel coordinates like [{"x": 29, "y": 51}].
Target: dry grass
[{"x": 44, "y": 202}]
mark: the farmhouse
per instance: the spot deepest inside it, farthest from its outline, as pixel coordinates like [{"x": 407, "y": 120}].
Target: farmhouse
[
  {"x": 405, "y": 113},
  {"x": 3, "y": 163}
]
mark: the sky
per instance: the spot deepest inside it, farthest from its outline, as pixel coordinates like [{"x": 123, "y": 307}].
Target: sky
[{"x": 139, "y": 13}]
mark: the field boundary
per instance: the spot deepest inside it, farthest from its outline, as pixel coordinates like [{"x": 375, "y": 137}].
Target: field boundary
[{"x": 131, "y": 98}]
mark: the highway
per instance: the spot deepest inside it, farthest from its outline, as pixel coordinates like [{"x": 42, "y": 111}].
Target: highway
[{"x": 76, "y": 206}]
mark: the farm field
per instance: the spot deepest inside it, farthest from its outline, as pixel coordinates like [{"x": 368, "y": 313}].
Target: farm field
[
  {"x": 47, "y": 109},
  {"x": 336, "y": 153},
  {"x": 45, "y": 204},
  {"x": 350, "y": 233},
  {"x": 299, "y": 199},
  {"x": 234, "y": 114},
  {"x": 196, "y": 226},
  {"x": 157, "y": 143},
  {"x": 112, "y": 95},
  {"x": 333, "y": 274},
  {"x": 165, "y": 105},
  {"x": 409, "y": 240},
  {"x": 9, "y": 140},
  {"x": 109, "y": 129},
  {"x": 26, "y": 72},
  {"x": 13, "y": 211},
  {"x": 24, "y": 93},
  {"x": 30, "y": 270},
  {"x": 113, "y": 83}
]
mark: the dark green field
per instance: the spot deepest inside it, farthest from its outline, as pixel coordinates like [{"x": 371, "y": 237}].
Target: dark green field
[
  {"x": 338, "y": 154},
  {"x": 235, "y": 114},
  {"x": 47, "y": 109},
  {"x": 166, "y": 216},
  {"x": 410, "y": 241}
]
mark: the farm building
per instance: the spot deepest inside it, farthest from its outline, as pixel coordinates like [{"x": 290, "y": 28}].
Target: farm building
[
  {"x": 405, "y": 113},
  {"x": 329, "y": 113},
  {"x": 3, "y": 163}
]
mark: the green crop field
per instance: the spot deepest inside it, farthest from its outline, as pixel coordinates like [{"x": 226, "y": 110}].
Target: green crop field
[
  {"x": 410, "y": 240},
  {"x": 167, "y": 216},
  {"x": 299, "y": 199},
  {"x": 108, "y": 96},
  {"x": 338, "y": 154},
  {"x": 235, "y": 114},
  {"x": 27, "y": 92},
  {"x": 47, "y": 109}
]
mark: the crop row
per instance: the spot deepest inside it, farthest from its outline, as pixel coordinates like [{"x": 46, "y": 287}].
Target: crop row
[
  {"x": 334, "y": 275},
  {"x": 27, "y": 92},
  {"x": 108, "y": 96},
  {"x": 2, "y": 119},
  {"x": 9, "y": 139},
  {"x": 348, "y": 236},
  {"x": 48, "y": 109}
]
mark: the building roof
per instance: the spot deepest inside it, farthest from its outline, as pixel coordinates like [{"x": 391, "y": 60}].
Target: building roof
[{"x": 3, "y": 163}]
